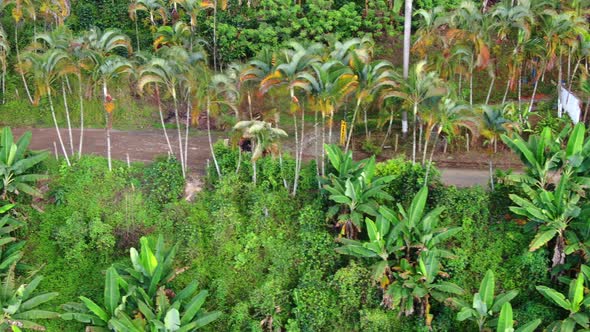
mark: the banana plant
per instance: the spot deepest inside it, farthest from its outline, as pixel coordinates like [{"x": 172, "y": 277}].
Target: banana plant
[
  {"x": 552, "y": 210},
  {"x": 409, "y": 265},
  {"x": 576, "y": 303},
  {"x": 506, "y": 322},
  {"x": 10, "y": 249},
  {"x": 20, "y": 307},
  {"x": 99, "y": 317},
  {"x": 356, "y": 190},
  {"x": 16, "y": 163},
  {"x": 180, "y": 312},
  {"x": 485, "y": 305},
  {"x": 414, "y": 284},
  {"x": 541, "y": 155}
]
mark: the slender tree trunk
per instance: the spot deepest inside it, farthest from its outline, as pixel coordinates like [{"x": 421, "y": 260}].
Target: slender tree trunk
[
  {"x": 108, "y": 125},
  {"x": 322, "y": 154},
  {"x": 210, "y": 139},
  {"x": 301, "y": 146},
  {"x": 354, "y": 114},
  {"x": 215, "y": 35},
  {"x": 388, "y": 129},
  {"x": 61, "y": 142},
  {"x": 187, "y": 125},
  {"x": 67, "y": 108},
  {"x": 471, "y": 82},
  {"x": 250, "y": 104},
  {"x": 179, "y": 131},
  {"x": 160, "y": 112},
  {"x": 461, "y": 86},
  {"x": 4, "y": 85},
  {"x": 137, "y": 31},
  {"x": 535, "y": 91},
  {"x": 285, "y": 184},
  {"x": 414, "y": 134},
  {"x": 407, "y": 36},
  {"x": 367, "y": 136},
  {"x": 491, "y": 174},
  {"x": 490, "y": 90},
  {"x": 22, "y": 75},
  {"x": 431, "y": 155},
  {"x": 559, "y": 78},
  {"x": 297, "y": 161},
  {"x": 81, "y": 116},
  {"x": 331, "y": 125},
  {"x": 586, "y": 110},
  {"x": 506, "y": 91}
]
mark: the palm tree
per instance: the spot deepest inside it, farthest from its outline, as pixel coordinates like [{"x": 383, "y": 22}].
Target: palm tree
[
  {"x": 46, "y": 68},
  {"x": 176, "y": 35},
  {"x": 493, "y": 125},
  {"x": 154, "y": 8},
  {"x": 468, "y": 28},
  {"x": 17, "y": 15},
  {"x": 168, "y": 72},
  {"x": 417, "y": 88},
  {"x": 60, "y": 38},
  {"x": 330, "y": 83},
  {"x": 406, "y": 60},
  {"x": 265, "y": 138},
  {"x": 108, "y": 70},
  {"x": 372, "y": 77},
  {"x": 4, "y": 51},
  {"x": 297, "y": 60},
  {"x": 447, "y": 116},
  {"x": 256, "y": 70},
  {"x": 152, "y": 67}
]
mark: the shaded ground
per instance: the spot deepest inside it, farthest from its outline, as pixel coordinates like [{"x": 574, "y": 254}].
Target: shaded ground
[{"x": 457, "y": 169}]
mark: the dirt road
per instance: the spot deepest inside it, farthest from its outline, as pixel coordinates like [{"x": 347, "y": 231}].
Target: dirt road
[{"x": 146, "y": 145}]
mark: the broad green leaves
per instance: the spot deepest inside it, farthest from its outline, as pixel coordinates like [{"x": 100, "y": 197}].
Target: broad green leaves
[
  {"x": 15, "y": 165},
  {"x": 485, "y": 305}
]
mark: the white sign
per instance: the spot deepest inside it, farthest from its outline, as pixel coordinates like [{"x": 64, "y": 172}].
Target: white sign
[{"x": 570, "y": 104}]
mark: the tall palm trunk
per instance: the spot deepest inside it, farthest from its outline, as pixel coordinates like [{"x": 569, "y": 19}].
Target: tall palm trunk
[
  {"x": 414, "y": 134},
  {"x": 187, "y": 125},
  {"x": 354, "y": 114},
  {"x": 210, "y": 139},
  {"x": 137, "y": 31},
  {"x": 108, "y": 125},
  {"x": 61, "y": 142},
  {"x": 81, "y": 115},
  {"x": 367, "y": 136},
  {"x": 301, "y": 146},
  {"x": 388, "y": 129},
  {"x": 160, "y": 112},
  {"x": 22, "y": 74},
  {"x": 406, "y": 60},
  {"x": 179, "y": 131},
  {"x": 471, "y": 81},
  {"x": 67, "y": 108},
  {"x": 490, "y": 89},
  {"x": 4, "y": 84},
  {"x": 559, "y": 78},
  {"x": 292, "y": 95},
  {"x": 432, "y": 154},
  {"x": 215, "y": 35}
]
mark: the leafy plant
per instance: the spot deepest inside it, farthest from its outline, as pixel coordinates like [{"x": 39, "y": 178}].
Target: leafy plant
[
  {"x": 15, "y": 165},
  {"x": 575, "y": 302},
  {"x": 356, "y": 189},
  {"x": 169, "y": 312},
  {"x": 10, "y": 248},
  {"x": 151, "y": 267},
  {"x": 96, "y": 315},
  {"x": 20, "y": 307},
  {"x": 407, "y": 246},
  {"x": 506, "y": 323},
  {"x": 485, "y": 304}
]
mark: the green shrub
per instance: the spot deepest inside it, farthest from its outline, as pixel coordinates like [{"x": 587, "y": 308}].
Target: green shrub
[
  {"x": 163, "y": 181},
  {"x": 409, "y": 178}
]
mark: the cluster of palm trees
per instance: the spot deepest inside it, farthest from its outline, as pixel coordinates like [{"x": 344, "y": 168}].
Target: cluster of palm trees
[{"x": 311, "y": 79}]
